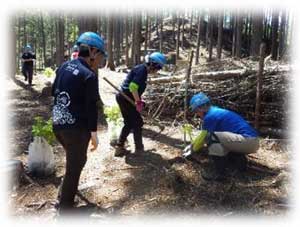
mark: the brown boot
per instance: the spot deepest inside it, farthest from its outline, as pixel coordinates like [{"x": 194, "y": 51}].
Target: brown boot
[{"x": 120, "y": 151}]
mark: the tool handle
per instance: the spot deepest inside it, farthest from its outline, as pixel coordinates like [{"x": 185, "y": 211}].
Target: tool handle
[{"x": 121, "y": 92}]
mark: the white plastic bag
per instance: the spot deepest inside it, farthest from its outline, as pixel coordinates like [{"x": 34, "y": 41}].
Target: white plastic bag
[
  {"x": 41, "y": 157},
  {"x": 114, "y": 130}
]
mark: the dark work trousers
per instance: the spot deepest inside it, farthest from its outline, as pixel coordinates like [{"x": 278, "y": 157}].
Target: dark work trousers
[
  {"x": 28, "y": 72},
  {"x": 133, "y": 121},
  {"x": 75, "y": 143}
]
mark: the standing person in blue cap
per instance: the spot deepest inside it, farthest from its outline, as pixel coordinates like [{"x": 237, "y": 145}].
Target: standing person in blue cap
[
  {"x": 28, "y": 58},
  {"x": 134, "y": 86},
  {"x": 228, "y": 136},
  {"x": 75, "y": 111}
]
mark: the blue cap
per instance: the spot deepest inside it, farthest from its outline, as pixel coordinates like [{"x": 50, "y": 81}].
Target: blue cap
[
  {"x": 92, "y": 39},
  {"x": 198, "y": 100},
  {"x": 158, "y": 58}
]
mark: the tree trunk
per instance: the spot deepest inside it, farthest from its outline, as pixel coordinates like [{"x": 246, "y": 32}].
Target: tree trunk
[
  {"x": 259, "y": 85},
  {"x": 126, "y": 42},
  {"x": 60, "y": 40},
  {"x": 43, "y": 39},
  {"x": 161, "y": 33},
  {"x": 282, "y": 44},
  {"x": 182, "y": 33},
  {"x": 146, "y": 33},
  {"x": 191, "y": 24},
  {"x": 178, "y": 36},
  {"x": 110, "y": 26},
  {"x": 138, "y": 33},
  {"x": 220, "y": 34},
  {"x": 256, "y": 34},
  {"x": 274, "y": 46},
  {"x": 210, "y": 36},
  {"x": 198, "y": 38},
  {"x": 239, "y": 27},
  {"x": 116, "y": 36},
  {"x": 233, "y": 48}
]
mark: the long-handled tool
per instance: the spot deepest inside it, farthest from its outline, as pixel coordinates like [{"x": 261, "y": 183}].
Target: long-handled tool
[{"x": 161, "y": 127}]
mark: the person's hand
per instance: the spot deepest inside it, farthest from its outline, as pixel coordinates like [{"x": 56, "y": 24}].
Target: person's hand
[
  {"x": 139, "y": 105},
  {"x": 94, "y": 141},
  {"x": 188, "y": 150}
]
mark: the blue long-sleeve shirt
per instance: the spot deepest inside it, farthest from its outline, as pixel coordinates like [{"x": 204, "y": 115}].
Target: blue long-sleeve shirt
[
  {"x": 222, "y": 120},
  {"x": 76, "y": 94}
]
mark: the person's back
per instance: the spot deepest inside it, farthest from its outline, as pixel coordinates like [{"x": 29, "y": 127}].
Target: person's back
[
  {"x": 221, "y": 120},
  {"x": 70, "y": 92}
]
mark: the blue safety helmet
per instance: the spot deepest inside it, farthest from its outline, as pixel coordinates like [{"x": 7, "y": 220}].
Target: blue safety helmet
[
  {"x": 75, "y": 48},
  {"x": 198, "y": 100},
  {"x": 28, "y": 47},
  {"x": 92, "y": 39},
  {"x": 158, "y": 58}
]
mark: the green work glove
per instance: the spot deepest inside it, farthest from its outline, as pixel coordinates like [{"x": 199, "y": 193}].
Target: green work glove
[{"x": 199, "y": 141}]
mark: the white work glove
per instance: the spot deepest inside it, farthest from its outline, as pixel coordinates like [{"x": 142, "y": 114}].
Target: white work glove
[
  {"x": 188, "y": 150},
  {"x": 94, "y": 140}
]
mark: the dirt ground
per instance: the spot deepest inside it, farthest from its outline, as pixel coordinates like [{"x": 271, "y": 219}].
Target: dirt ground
[{"x": 157, "y": 182}]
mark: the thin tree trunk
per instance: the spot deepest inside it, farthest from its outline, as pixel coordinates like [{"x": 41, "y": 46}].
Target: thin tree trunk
[
  {"x": 274, "y": 47},
  {"x": 182, "y": 33},
  {"x": 256, "y": 34},
  {"x": 146, "y": 32},
  {"x": 220, "y": 34},
  {"x": 161, "y": 34},
  {"x": 110, "y": 61},
  {"x": 191, "y": 24},
  {"x": 126, "y": 41},
  {"x": 239, "y": 28},
  {"x": 178, "y": 36},
  {"x": 138, "y": 33},
  {"x": 259, "y": 86},
  {"x": 43, "y": 40},
  {"x": 211, "y": 37},
  {"x": 282, "y": 33},
  {"x": 198, "y": 38}
]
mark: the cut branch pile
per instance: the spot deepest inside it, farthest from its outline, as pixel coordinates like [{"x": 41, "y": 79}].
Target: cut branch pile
[{"x": 231, "y": 89}]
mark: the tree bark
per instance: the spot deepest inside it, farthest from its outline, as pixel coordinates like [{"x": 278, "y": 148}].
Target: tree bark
[
  {"x": 60, "y": 47},
  {"x": 282, "y": 44},
  {"x": 220, "y": 34},
  {"x": 256, "y": 34},
  {"x": 239, "y": 27},
  {"x": 211, "y": 37},
  {"x": 274, "y": 46},
  {"x": 110, "y": 25},
  {"x": 198, "y": 38},
  {"x": 178, "y": 36},
  {"x": 259, "y": 85}
]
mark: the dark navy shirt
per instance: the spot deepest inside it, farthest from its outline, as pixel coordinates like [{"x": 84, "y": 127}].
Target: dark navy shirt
[
  {"x": 222, "y": 120},
  {"x": 26, "y": 56},
  {"x": 137, "y": 75},
  {"x": 76, "y": 95}
]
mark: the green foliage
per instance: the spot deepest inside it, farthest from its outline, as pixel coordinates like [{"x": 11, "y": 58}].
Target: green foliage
[
  {"x": 43, "y": 129},
  {"x": 113, "y": 114},
  {"x": 48, "y": 72},
  {"x": 188, "y": 129}
]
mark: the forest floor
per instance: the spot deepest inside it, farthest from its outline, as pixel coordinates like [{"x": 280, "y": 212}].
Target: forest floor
[{"x": 157, "y": 182}]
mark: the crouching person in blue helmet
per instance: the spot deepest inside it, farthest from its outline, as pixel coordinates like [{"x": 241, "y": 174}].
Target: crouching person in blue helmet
[
  {"x": 134, "y": 86},
  {"x": 28, "y": 57},
  {"x": 75, "y": 112},
  {"x": 229, "y": 138}
]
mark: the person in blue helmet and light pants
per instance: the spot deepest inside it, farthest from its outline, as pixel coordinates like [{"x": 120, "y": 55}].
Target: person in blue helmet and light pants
[
  {"x": 228, "y": 136},
  {"x": 75, "y": 112},
  {"x": 134, "y": 86}
]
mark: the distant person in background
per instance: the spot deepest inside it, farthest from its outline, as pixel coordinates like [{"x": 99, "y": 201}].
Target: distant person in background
[
  {"x": 28, "y": 57},
  {"x": 75, "y": 52}
]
